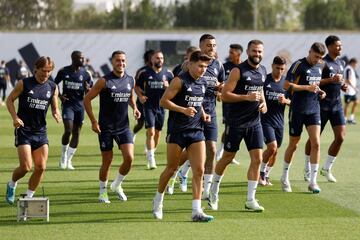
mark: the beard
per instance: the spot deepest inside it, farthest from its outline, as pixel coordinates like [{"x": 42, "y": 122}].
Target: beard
[
  {"x": 255, "y": 60},
  {"x": 158, "y": 65}
]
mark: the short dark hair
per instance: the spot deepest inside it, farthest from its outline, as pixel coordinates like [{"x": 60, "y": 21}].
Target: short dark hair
[
  {"x": 75, "y": 53},
  {"x": 278, "y": 60},
  {"x": 117, "y": 52},
  {"x": 319, "y": 48},
  {"x": 206, "y": 36},
  {"x": 198, "y": 56},
  {"x": 331, "y": 40},
  {"x": 191, "y": 49},
  {"x": 353, "y": 60},
  {"x": 255, "y": 42},
  {"x": 148, "y": 54},
  {"x": 236, "y": 46}
]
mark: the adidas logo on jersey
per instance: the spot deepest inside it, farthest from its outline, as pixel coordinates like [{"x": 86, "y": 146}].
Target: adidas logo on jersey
[
  {"x": 151, "y": 77},
  {"x": 308, "y": 71},
  {"x": 113, "y": 87},
  {"x": 189, "y": 89},
  {"x": 31, "y": 92},
  {"x": 269, "y": 85},
  {"x": 67, "y": 76},
  {"x": 248, "y": 79},
  {"x": 331, "y": 68}
]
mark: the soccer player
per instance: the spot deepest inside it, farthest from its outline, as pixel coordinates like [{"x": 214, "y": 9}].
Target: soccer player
[
  {"x": 35, "y": 94},
  {"x": 331, "y": 107},
  {"x": 350, "y": 94},
  {"x": 303, "y": 79},
  {"x": 178, "y": 68},
  {"x": 243, "y": 92},
  {"x": 76, "y": 81},
  {"x": 4, "y": 79},
  {"x": 184, "y": 98},
  {"x": 214, "y": 76},
  {"x": 154, "y": 81},
  {"x": 116, "y": 91},
  {"x": 235, "y": 52},
  {"x": 273, "y": 121},
  {"x": 147, "y": 61}
]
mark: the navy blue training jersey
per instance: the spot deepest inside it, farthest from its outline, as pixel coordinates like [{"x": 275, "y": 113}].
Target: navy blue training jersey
[
  {"x": 191, "y": 95},
  {"x": 302, "y": 73},
  {"x": 246, "y": 114},
  {"x": 73, "y": 85},
  {"x": 177, "y": 70},
  {"x": 274, "y": 117},
  {"x": 214, "y": 73},
  {"x": 228, "y": 66},
  {"x": 34, "y": 102},
  {"x": 114, "y": 100},
  {"x": 332, "y": 101},
  {"x": 152, "y": 84}
]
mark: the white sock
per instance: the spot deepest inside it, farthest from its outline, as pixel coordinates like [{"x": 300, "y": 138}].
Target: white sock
[
  {"x": 64, "y": 149},
  {"x": 286, "y": 169},
  {"x": 150, "y": 154},
  {"x": 220, "y": 152},
  {"x": 30, "y": 193},
  {"x": 185, "y": 168},
  {"x": 12, "y": 184},
  {"x": 103, "y": 186},
  {"x": 252, "y": 185},
  {"x": 263, "y": 166},
  {"x": 159, "y": 197},
  {"x": 307, "y": 163},
  {"x": 118, "y": 180},
  {"x": 329, "y": 162},
  {"x": 215, "y": 186},
  {"x": 313, "y": 173},
  {"x": 207, "y": 182},
  {"x": 267, "y": 171},
  {"x": 70, "y": 153},
  {"x": 352, "y": 117},
  {"x": 196, "y": 205}
]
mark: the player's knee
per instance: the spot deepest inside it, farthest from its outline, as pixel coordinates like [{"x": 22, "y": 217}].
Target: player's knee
[
  {"x": 40, "y": 168},
  {"x": 198, "y": 171},
  {"x": 315, "y": 145},
  {"x": 25, "y": 168},
  {"x": 272, "y": 149}
]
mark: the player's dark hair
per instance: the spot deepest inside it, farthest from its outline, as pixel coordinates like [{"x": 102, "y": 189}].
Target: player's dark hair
[
  {"x": 191, "y": 49},
  {"x": 236, "y": 46},
  {"x": 331, "y": 40},
  {"x": 318, "y": 48},
  {"x": 75, "y": 54},
  {"x": 255, "y": 42},
  {"x": 278, "y": 60},
  {"x": 147, "y": 55},
  {"x": 353, "y": 60},
  {"x": 117, "y": 52},
  {"x": 198, "y": 56},
  {"x": 206, "y": 36}
]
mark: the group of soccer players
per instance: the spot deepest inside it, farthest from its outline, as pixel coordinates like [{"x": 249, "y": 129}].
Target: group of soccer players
[{"x": 253, "y": 110}]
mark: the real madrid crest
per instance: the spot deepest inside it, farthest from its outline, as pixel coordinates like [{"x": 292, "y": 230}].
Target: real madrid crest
[
  {"x": 128, "y": 86},
  {"x": 48, "y": 94},
  {"x": 203, "y": 89}
]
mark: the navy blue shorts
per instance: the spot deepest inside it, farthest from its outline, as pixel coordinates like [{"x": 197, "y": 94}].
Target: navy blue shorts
[
  {"x": 73, "y": 114},
  {"x": 28, "y": 137},
  {"x": 154, "y": 118},
  {"x": 273, "y": 134},
  {"x": 350, "y": 98},
  {"x": 106, "y": 140},
  {"x": 186, "y": 138},
  {"x": 336, "y": 118},
  {"x": 253, "y": 137},
  {"x": 297, "y": 120},
  {"x": 211, "y": 130},
  {"x": 225, "y": 111},
  {"x": 140, "y": 107}
]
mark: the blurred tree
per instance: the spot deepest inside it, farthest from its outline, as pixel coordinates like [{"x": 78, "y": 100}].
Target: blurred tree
[
  {"x": 327, "y": 14},
  {"x": 57, "y": 14},
  {"x": 19, "y": 14},
  {"x": 88, "y": 18}
]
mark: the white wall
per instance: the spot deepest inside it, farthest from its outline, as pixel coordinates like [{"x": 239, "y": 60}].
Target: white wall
[{"x": 98, "y": 46}]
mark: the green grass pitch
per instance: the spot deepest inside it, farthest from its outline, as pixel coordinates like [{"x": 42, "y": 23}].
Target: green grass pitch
[{"x": 76, "y": 214}]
